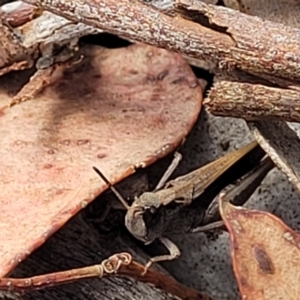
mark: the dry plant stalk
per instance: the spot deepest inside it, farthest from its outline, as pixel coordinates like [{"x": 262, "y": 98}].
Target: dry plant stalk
[
  {"x": 119, "y": 264},
  {"x": 106, "y": 268}
]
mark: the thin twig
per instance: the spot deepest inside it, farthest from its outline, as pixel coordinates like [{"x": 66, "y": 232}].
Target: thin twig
[
  {"x": 119, "y": 264},
  {"x": 106, "y": 268}
]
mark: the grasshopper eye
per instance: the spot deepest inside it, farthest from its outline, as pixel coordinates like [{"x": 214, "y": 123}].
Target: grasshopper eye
[
  {"x": 150, "y": 209},
  {"x": 153, "y": 210}
]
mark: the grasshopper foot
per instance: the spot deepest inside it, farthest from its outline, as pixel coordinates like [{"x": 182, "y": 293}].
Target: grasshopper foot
[{"x": 174, "y": 253}]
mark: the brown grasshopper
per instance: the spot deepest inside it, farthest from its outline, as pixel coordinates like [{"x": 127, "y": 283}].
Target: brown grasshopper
[
  {"x": 237, "y": 194},
  {"x": 152, "y": 214}
]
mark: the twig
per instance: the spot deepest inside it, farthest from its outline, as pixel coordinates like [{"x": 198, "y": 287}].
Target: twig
[
  {"x": 253, "y": 101},
  {"x": 282, "y": 144},
  {"x": 106, "y": 268},
  {"x": 226, "y": 38},
  {"x": 120, "y": 264}
]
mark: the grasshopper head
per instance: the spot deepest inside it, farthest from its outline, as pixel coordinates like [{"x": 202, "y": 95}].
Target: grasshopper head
[
  {"x": 135, "y": 223},
  {"x": 142, "y": 219}
]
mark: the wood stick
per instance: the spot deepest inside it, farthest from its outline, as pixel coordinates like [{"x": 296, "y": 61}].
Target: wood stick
[
  {"x": 107, "y": 267},
  {"x": 253, "y": 101},
  {"x": 226, "y": 38},
  {"x": 120, "y": 264}
]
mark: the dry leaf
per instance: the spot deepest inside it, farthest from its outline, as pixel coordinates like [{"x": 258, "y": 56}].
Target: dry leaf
[
  {"x": 116, "y": 110},
  {"x": 265, "y": 253}
]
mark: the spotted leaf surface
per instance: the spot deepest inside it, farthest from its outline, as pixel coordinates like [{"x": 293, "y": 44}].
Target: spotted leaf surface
[
  {"x": 115, "y": 109},
  {"x": 265, "y": 254}
]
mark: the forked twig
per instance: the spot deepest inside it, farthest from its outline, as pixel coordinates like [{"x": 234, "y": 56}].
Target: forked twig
[
  {"x": 107, "y": 267},
  {"x": 120, "y": 264}
]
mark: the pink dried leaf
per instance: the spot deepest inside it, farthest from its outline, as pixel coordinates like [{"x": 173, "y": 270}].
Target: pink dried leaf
[{"x": 116, "y": 110}]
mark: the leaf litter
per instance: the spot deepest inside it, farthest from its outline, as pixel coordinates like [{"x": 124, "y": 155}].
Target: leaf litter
[
  {"x": 117, "y": 109},
  {"x": 261, "y": 257}
]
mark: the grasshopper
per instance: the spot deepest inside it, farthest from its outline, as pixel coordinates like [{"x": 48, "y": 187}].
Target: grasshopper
[
  {"x": 149, "y": 215},
  {"x": 182, "y": 190},
  {"x": 237, "y": 195}
]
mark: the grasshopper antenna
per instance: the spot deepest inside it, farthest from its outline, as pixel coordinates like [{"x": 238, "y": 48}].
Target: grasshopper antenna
[{"x": 112, "y": 188}]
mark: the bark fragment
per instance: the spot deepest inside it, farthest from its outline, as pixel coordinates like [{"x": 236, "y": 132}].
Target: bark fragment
[{"x": 253, "y": 101}]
